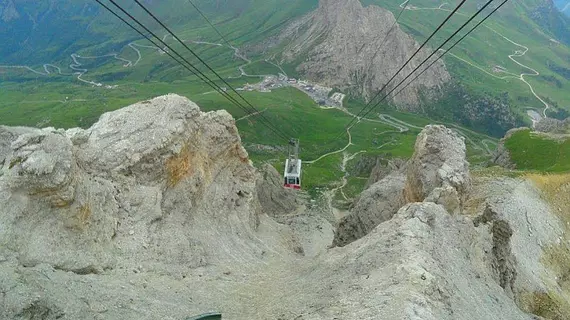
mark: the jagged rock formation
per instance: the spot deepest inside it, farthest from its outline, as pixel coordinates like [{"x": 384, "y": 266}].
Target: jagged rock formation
[
  {"x": 381, "y": 170},
  {"x": 348, "y": 46},
  {"x": 126, "y": 185},
  {"x": 274, "y": 200},
  {"x": 377, "y": 204},
  {"x": 157, "y": 212},
  {"x": 502, "y": 156},
  {"x": 437, "y": 172},
  {"x": 438, "y": 165}
]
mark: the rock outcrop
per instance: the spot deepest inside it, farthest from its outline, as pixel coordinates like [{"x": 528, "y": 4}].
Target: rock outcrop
[
  {"x": 502, "y": 156},
  {"x": 438, "y": 165},
  {"x": 345, "y": 45},
  {"x": 381, "y": 170},
  {"x": 73, "y": 199},
  {"x": 273, "y": 198},
  {"x": 438, "y": 172},
  {"x": 376, "y": 204},
  {"x": 549, "y": 125}
]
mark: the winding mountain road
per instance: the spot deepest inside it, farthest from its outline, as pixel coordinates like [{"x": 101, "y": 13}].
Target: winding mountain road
[{"x": 516, "y": 54}]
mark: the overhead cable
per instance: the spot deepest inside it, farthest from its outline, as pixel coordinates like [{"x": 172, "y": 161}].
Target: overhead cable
[
  {"x": 357, "y": 116},
  {"x": 255, "y": 110},
  {"x": 453, "y": 46},
  {"x": 189, "y": 66},
  {"x": 431, "y": 55}
]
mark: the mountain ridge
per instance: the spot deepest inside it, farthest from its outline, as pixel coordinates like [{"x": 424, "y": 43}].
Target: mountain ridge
[{"x": 109, "y": 222}]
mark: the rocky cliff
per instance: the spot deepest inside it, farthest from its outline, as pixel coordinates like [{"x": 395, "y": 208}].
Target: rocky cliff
[
  {"x": 549, "y": 125},
  {"x": 348, "y": 46},
  {"x": 156, "y": 212}
]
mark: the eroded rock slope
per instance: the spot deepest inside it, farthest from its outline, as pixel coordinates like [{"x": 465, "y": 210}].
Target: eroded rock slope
[
  {"x": 156, "y": 212},
  {"x": 345, "y": 45}
]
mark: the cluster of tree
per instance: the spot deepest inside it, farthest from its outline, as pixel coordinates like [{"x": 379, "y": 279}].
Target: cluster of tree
[{"x": 484, "y": 112}]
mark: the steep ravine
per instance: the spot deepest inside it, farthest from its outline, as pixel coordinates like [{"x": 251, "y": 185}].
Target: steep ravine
[{"x": 156, "y": 212}]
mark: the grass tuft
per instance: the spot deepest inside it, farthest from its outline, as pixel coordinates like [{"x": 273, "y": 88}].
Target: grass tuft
[
  {"x": 556, "y": 190},
  {"x": 84, "y": 214}
]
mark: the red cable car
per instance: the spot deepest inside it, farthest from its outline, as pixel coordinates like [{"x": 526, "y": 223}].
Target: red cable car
[{"x": 292, "y": 174}]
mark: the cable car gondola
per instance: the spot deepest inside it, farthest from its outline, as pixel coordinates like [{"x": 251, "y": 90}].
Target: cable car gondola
[{"x": 292, "y": 172}]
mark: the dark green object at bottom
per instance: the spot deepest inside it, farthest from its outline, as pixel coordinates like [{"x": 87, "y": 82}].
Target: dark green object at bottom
[{"x": 207, "y": 316}]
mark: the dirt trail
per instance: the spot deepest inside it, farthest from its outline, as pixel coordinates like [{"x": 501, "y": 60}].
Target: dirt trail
[{"x": 516, "y": 54}]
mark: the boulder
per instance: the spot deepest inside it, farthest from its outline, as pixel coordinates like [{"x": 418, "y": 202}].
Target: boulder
[
  {"x": 376, "y": 204},
  {"x": 447, "y": 197},
  {"x": 41, "y": 163}
]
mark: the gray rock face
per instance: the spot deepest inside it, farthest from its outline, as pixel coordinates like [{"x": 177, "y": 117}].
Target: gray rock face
[
  {"x": 42, "y": 163},
  {"x": 76, "y": 199},
  {"x": 447, "y": 197},
  {"x": 376, "y": 204},
  {"x": 379, "y": 171},
  {"x": 519, "y": 228},
  {"x": 549, "y": 125},
  {"x": 439, "y": 160},
  {"x": 175, "y": 225},
  {"x": 438, "y": 172},
  {"x": 341, "y": 42},
  {"x": 273, "y": 198}
]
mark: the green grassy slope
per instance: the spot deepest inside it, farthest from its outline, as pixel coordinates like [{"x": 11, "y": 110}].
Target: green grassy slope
[
  {"x": 510, "y": 30},
  {"x": 30, "y": 99},
  {"x": 531, "y": 151}
]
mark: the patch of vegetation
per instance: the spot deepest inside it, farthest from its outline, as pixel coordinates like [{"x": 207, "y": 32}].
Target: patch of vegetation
[
  {"x": 556, "y": 189},
  {"x": 496, "y": 171},
  {"x": 531, "y": 151},
  {"x": 557, "y": 113},
  {"x": 487, "y": 112},
  {"x": 15, "y": 162},
  {"x": 548, "y": 305},
  {"x": 84, "y": 214},
  {"x": 261, "y": 67}
]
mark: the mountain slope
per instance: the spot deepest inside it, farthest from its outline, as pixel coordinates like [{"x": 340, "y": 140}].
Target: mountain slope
[
  {"x": 107, "y": 223},
  {"x": 347, "y": 46}
]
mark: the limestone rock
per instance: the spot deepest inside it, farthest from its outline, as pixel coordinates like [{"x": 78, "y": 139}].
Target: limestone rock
[
  {"x": 90, "y": 200},
  {"x": 175, "y": 226},
  {"x": 341, "y": 41},
  {"x": 447, "y": 197},
  {"x": 275, "y": 200},
  {"x": 549, "y": 125},
  {"x": 520, "y": 229},
  {"x": 41, "y": 163},
  {"x": 381, "y": 170},
  {"x": 376, "y": 204},
  {"x": 439, "y": 160}
]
